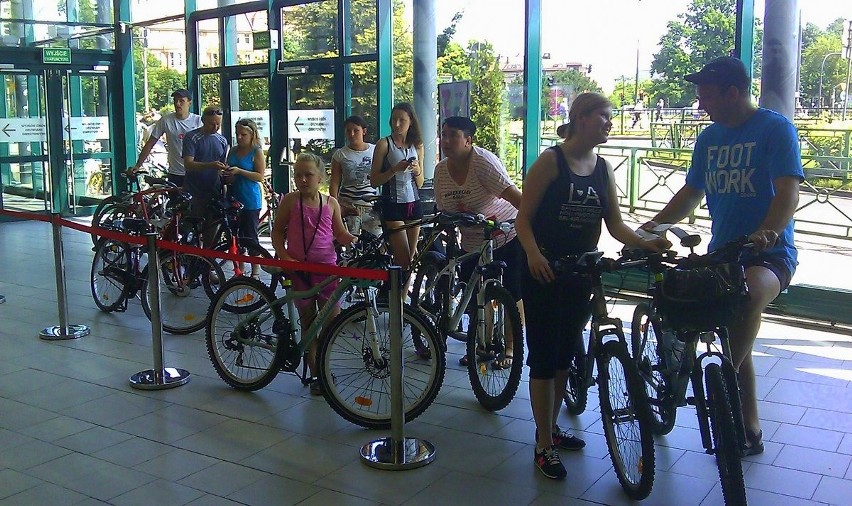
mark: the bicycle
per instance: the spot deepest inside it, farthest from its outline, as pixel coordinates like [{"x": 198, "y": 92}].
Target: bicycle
[
  {"x": 494, "y": 319},
  {"x": 248, "y": 348},
  {"x": 266, "y": 220},
  {"x": 117, "y": 275},
  {"x": 148, "y": 203},
  {"x": 625, "y": 414},
  {"x": 695, "y": 299}
]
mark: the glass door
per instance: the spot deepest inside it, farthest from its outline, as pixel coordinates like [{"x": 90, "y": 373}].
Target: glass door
[
  {"x": 23, "y": 133},
  {"x": 55, "y": 118},
  {"x": 310, "y": 116}
]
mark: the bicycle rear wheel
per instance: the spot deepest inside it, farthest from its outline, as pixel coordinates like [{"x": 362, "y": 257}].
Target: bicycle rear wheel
[
  {"x": 576, "y": 394},
  {"x": 108, "y": 211},
  {"x": 493, "y": 386},
  {"x": 111, "y": 274},
  {"x": 625, "y": 417},
  {"x": 354, "y": 368},
  {"x": 187, "y": 285},
  {"x": 652, "y": 366},
  {"x": 724, "y": 436},
  {"x": 242, "y": 344}
]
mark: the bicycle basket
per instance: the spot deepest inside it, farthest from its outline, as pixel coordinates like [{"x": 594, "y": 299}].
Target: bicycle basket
[{"x": 702, "y": 298}]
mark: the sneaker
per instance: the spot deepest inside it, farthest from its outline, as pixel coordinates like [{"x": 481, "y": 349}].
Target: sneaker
[
  {"x": 316, "y": 387},
  {"x": 547, "y": 461},
  {"x": 565, "y": 440},
  {"x": 754, "y": 443}
]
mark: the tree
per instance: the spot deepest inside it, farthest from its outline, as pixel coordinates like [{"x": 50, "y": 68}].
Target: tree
[
  {"x": 704, "y": 32},
  {"x": 817, "y": 47},
  {"x": 486, "y": 90},
  {"x": 447, "y": 35}
]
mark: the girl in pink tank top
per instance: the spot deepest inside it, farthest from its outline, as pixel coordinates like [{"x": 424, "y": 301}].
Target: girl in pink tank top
[{"x": 306, "y": 226}]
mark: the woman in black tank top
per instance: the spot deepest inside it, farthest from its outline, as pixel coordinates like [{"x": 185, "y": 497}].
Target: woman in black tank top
[{"x": 567, "y": 193}]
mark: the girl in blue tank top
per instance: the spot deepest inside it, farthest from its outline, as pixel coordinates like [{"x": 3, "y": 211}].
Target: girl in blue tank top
[
  {"x": 568, "y": 192},
  {"x": 246, "y": 169}
]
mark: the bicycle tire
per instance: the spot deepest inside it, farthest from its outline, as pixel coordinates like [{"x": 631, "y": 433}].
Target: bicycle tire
[
  {"x": 495, "y": 388},
  {"x": 264, "y": 230},
  {"x": 249, "y": 360},
  {"x": 227, "y": 266},
  {"x": 724, "y": 437},
  {"x": 625, "y": 416},
  {"x": 431, "y": 301},
  {"x": 110, "y": 275},
  {"x": 576, "y": 394},
  {"x": 187, "y": 285},
  {"x": 357, "y": 386},
  {"x": 109, "y": 209},
  {"x": 643, "y": 336}
]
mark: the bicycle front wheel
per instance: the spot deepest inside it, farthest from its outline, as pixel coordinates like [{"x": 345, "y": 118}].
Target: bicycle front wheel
[
  {"x": 652, "y": 366},
  {"x": 495, "y": 386},
  {"x": 187, "y": 285},
  {"x": 108, "y": 211},
  {"x": 354, "y": 366},
  {"x": 724, "y": 436},
  {"x": 242, "y": 344},
  {"x": 111, "y": 274},
  {"x": 625, "y": 416}
]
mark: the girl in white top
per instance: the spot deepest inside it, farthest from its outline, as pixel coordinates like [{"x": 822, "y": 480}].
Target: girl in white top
[
  {"x": 350, "y": 178},
  {"x": 396, "y": 168}
]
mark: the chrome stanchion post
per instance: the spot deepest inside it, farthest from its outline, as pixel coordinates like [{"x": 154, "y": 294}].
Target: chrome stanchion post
[
  {"x": 397, "y": 453},
  {"x": 63, "y": 330},
  {"x": 159, "y": 377}
]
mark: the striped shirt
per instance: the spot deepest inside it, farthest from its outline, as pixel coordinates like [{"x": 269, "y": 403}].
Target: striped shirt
[{"x": 479, "y": 194}]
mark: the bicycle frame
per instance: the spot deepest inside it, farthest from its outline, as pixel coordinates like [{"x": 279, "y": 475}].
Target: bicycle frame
[{"x": 263, "y": 314}]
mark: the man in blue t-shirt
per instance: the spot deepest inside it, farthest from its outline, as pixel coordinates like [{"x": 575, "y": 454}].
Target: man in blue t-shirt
[
  {"x": 205, "y": 153},
  {"x": 748, "y": 166}
]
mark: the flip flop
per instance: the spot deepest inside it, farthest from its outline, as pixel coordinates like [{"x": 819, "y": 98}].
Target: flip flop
[{"x": 504, "y": 362}]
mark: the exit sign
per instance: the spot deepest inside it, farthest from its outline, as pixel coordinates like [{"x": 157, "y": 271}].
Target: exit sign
[
  {"x": 265, "y": 40},
  {"x": 56, "y": 55}
]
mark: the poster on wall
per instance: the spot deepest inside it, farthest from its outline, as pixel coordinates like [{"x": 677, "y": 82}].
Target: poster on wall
[{"x": 453, "y": 100}]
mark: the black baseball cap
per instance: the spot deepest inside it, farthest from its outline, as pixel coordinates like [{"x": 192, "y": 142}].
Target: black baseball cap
[
  {"x": 182, "y": 93},
  {"x": 723, "y": 71}
]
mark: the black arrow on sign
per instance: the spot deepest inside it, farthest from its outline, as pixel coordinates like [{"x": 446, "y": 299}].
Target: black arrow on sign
[
  {"x": 297, "y": 123},
  {"x": 6, "y": 130}
]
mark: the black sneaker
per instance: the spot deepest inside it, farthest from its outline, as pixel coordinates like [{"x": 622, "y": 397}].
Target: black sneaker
[
  {"x": 565, "y": 440},
  {"x": 547, "y": 461},
  {"x": 316, "y": 387}
]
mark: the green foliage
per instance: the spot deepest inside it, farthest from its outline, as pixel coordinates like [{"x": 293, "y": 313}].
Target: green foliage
[
  {"x": 817, "y": 46},
  {"x": 704, "y": 32},
  {"x": 486, "y": 92},
  {"x": 447, "y": 35}
]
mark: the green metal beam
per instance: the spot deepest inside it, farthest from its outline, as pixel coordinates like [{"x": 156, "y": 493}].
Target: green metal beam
[
  {"x": 384, "y": 29},
  {"x": 744, "y": 37},
  {"x": 122, "y": 96},
  {"x": 532, "y": 84}
]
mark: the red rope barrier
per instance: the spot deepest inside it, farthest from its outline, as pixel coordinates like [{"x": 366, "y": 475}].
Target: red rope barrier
[{"x": 328, "y": 270}]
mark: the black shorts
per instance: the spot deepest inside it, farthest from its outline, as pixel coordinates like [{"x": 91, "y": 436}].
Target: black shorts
[
  {"x": 175, "y": 179},
  {"x": 247, "y": 222},
  {"x": 775, "y": 264},
  {"x": 556, "y": 315},
  {"x": 392, "y": 211},
  {"x": 510, "y": 253}
]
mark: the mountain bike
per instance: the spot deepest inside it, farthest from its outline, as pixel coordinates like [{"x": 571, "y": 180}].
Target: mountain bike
[
  {"x": 693, "y": 300},
  {"x": 493, "y": 332},
  {"x": 625, "y": 414},
  {"x": 248, "y": 347}
]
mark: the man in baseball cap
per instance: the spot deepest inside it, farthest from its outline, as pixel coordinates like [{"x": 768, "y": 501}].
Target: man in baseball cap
[
  {"x": 725, "y": 72},
  {"x": 748, "y": 166},
  {"x": 174, "y": 126}
]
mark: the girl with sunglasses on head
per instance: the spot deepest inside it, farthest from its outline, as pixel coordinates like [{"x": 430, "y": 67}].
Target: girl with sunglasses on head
[{"x": 245, "y": 172}]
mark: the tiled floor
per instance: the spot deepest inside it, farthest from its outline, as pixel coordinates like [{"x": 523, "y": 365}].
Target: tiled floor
[{"x": 72, "y": 431}]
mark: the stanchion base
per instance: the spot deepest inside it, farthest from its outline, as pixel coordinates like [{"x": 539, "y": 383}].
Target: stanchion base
[
  {"x": 169, "y": 377},
  {"x": 2, "y": 299},
  {"x": 414, "y": 453},
  {"x": 57, "y": 333}
]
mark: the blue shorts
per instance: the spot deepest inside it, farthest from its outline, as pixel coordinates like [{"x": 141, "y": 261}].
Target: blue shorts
[{"x": 776, "y": 264}]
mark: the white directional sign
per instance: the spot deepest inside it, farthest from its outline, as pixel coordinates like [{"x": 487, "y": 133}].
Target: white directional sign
[
  {"x": 311, "y": 124},
  {"x": 259, "y": 117},
  {"x": 80, "y": 128},
  {"x": 23, "y": 130}
]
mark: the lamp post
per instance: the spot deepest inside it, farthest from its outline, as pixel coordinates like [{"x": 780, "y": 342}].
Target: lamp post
[{"x": 821, "y": 73}]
